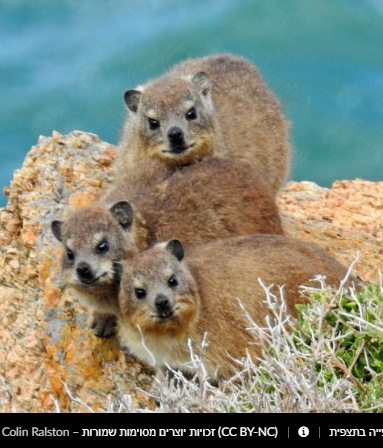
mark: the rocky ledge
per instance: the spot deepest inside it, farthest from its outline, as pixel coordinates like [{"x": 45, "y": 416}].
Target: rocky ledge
[{"x": 44, "y": 337}]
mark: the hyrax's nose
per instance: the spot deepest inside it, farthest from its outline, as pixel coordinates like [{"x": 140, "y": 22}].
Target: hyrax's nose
[
  {"x": 175, "y": 135},
  {"x": 83, "y": 270},
  {"x": 162, "y": 303}
]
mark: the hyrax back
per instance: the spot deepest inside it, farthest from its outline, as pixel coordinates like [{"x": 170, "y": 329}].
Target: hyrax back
[
  {"x": 166, "y": 300},
  {"x": 213, "y": 199},
  {"x": 217, "y": 105},
  {"x": 216, "y": 198}
]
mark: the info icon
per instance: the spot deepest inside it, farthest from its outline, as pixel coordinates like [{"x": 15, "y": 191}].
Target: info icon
[{"x": 303, "y": 431}]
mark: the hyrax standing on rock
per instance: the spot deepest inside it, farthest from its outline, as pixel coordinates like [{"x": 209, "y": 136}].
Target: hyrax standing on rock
[
  {"x": 217, "y": 105},
  {"x": 166, "y": 300},
  {"x": 213, "y": 199}
]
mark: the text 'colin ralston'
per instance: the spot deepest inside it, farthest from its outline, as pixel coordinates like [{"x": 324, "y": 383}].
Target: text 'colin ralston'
[{"x": 34, "y": 431}]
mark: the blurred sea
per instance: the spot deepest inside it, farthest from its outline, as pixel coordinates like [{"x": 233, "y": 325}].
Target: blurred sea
[{"x": 64, "y": 65}]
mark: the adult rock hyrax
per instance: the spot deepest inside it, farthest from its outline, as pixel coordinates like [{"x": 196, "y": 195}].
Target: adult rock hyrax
[
  {"x": 217, "y": 105},
  {"x": 165, "y": 300},
  {"x": 213, "y": 199}
]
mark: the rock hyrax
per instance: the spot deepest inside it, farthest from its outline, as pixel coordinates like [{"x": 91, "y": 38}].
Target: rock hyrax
[
  {"x": 166, "y": 299},
  {"x": 213, "y": 199},
  {"x": 95, "y": 239},
  {"x": 217, "y": 105}
]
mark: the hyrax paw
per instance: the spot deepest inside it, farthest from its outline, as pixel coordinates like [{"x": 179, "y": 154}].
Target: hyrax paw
[{"x": 104, "y": 325}]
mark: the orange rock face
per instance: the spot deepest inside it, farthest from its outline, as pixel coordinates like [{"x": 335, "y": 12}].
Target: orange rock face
[
  {"x": 344, "y": 220},
  {"x": 44, "y": 337}
]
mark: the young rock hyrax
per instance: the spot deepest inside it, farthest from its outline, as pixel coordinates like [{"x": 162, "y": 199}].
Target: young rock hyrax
[
  {"x": 201, "y": 202},
  {"x": 95, "y": 239},
  {"x": 217, "y": 105},
  {"x": 166, "y": 299}
]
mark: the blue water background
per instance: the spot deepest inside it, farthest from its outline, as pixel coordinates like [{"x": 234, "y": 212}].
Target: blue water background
[{"x": 64, "y": 65}]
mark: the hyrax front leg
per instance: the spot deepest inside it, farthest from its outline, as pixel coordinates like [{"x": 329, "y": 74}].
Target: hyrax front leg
[{"x": 104, "y": 325}]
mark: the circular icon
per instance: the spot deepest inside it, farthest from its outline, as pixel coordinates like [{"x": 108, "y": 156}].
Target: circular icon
[{"x": 303, "y": 431}]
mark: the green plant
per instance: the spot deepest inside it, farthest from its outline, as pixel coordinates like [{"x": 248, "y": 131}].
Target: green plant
[{"x": 352, "y": 326}]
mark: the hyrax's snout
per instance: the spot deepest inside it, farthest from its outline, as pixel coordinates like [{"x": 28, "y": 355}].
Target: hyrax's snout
[
  {"x": 177, "y": 139},
  {"x": 84, "y": 272},
  {"x": 163, "y": 306}
]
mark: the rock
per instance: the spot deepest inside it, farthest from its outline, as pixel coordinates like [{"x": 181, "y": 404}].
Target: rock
[
  {"x": 44, "y": 337},
  {"x": 344, "y": 220}
]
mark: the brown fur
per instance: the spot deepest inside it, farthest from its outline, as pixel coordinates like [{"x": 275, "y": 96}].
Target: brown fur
[
  {"x": 213, "y": 199},
  {"x": 81, "y": 234},
  {"x": 210, "y": 280},
  {"x": 237, "y": 116}
]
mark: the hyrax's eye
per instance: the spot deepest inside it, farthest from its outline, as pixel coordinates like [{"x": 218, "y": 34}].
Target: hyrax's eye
[
  {"x": 103, "y": 247},
  {"x": 173, "y": 282},
  {"x": 153, "y": 124},
  {"x": 69, "y": 254},
  {"x": 191, "y": 114},
  {"x": 140, "y": 293}
]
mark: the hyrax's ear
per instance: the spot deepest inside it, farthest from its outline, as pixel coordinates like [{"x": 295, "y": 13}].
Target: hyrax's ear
[
  {"x": 201, "y": 81},
  {"x": 132, "y": 98},
  {"x": 176, "y": 248},
  {"x": 123, "y": 212},
  {"x": 56, "y": 229}
]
